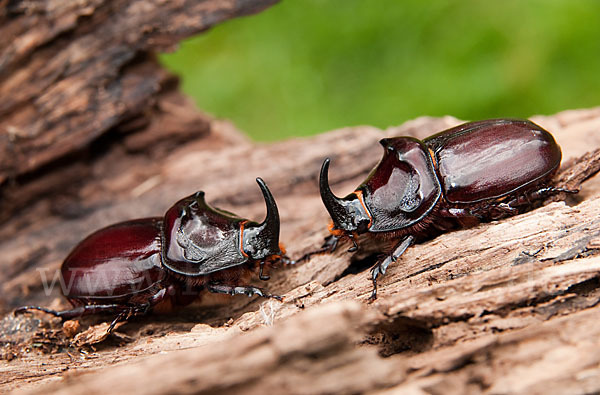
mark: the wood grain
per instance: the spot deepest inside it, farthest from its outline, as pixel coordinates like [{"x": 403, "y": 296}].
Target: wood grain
[
  {"x": 93, "y": 131},
  {"x": 507, "y": 306},
  {"x": 76, "y": 76}
]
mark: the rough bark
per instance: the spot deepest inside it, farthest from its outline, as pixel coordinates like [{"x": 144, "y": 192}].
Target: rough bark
[
  {"x": 509, "y": 306},
  {"x": 76, "y": 77},
  {"x": 505, "y": 307}
]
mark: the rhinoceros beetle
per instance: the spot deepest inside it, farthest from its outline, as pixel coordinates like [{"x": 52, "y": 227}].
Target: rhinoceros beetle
[
  {"x": 133, "y": 267},
  {"x": 474, "y": 172}
]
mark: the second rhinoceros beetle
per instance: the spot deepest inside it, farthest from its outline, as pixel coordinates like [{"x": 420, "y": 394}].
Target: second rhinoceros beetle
[
  {"x": 474, "y": 172},
  {"x": 132, "y": 267}
]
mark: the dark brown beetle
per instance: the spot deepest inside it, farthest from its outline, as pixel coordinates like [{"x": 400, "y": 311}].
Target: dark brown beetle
[
  {"x": 135, "y": 266},
  {"x": 474, "y": 172}
]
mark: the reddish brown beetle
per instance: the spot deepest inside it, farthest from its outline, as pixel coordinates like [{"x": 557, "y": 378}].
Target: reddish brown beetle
[
  {"x": 474, "y": 172},
  {"x": 132, "y": 267}
]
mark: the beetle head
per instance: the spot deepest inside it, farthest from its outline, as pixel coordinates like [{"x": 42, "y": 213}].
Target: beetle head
[
  {"x": 262, "y": 240},
  {"x": 349, "y": 214}
]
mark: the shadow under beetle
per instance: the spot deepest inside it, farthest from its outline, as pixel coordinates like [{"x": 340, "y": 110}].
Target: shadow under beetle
[
  {"x": 132, "y": 267},
  {"x": 472, "y": 173}
]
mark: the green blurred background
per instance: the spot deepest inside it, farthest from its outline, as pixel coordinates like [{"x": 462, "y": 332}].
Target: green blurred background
[{"x": 307, "y": 66}]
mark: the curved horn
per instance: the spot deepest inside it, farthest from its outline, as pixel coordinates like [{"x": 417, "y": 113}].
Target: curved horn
[
  {"x": 332, "y": 203},
  {"x": 270, "y": 226}
]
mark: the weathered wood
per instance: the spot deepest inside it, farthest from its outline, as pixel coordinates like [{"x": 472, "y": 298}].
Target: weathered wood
[
  {"x": 93, "y": 131},
  {"x": 509, "y": 306},
  {"x": 278, "y": 359},
  {"x": 73, "y": 72}
]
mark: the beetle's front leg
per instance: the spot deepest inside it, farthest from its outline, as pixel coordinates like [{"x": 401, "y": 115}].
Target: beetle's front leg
[
  {"x": 381, "y": 267},
  {"x": 286, "y": 260},
  {"x": 329, "y": 245},
  {"x": 244, "y": 290}
]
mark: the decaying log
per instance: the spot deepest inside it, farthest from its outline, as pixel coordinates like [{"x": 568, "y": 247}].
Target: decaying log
[
  {"x": 100, "y": 135},
  {"x": 80, "y": 78},
  {"x": 509, "y": 306}
]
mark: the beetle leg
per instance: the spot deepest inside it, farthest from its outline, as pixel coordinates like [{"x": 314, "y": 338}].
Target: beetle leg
[
  {"x": 329, "y": 245},
  {"x": 454, "y": 212},
  {"x": 505, "y": 209},
  {"x": 381, "y": 267},
  {"x": 248, "y": 291},
  {"x": 140, "y": 309},
  {"x": 542, "y": 193},
  {"x": 122, "y": 316},
  {"x": 261, "y": 275},
  {"x": 526, "y": 199},
  {"x": 354, "y": 247},
  {"x": 75, "y": 312},
  {"x": 286, "y": 260}
]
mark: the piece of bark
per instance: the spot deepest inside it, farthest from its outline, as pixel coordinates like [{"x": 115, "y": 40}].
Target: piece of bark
[
  {"x": 78, "y": 78},
  {"x": 507, "y": 306},
  {"x": 84, "y": 67},
  {"x": 310, "y": 353}
]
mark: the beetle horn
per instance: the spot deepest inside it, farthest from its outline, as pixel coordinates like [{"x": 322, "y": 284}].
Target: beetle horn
[
  {"x": 269, "y": 228},
  {"x": 332, "y": 203}
]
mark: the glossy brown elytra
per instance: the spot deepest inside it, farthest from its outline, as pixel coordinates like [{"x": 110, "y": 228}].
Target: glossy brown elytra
[{"x": 472, "y": 173}]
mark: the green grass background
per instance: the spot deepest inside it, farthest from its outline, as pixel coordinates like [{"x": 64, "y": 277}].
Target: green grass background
[{"x": 308, "y": 66}]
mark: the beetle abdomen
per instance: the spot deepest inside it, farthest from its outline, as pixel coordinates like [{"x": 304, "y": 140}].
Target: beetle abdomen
[
  {"x": 493, "y": 158},
  {"x": 121, "y": 260}
]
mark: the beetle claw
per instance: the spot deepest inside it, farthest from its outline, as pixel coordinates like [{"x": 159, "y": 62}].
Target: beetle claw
[
  {"x": 375, "y": 272},
  {"x": 262, "y": 276},
  {"x": 122, "y": 316},
  {"x": 354, "y": 245},
  {"x": 329, "y": 245},
  {"x": 286, "y": 260}
]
